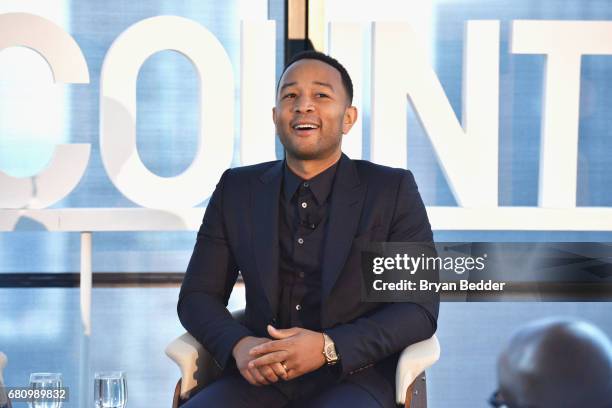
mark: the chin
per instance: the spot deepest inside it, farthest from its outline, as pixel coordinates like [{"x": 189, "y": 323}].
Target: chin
[
  {"x": 303, "y": 152},
  {"x": 305, "y": 155}
]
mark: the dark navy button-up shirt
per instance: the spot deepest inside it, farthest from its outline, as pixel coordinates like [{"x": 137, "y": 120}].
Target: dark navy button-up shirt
[{"x": 303, "y": 213}]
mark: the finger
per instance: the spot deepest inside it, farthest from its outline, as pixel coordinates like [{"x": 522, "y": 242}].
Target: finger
[
  {"x": 270, "y": 358},
  {"x": 268, "y": 373},
  {"x": 269, "y": 347},
  {"x": 279, "y": 370},
  {"x": 259, "y": 379},
  {"x": 247, "y": 376},
  {"x": 282, "y": 333}
]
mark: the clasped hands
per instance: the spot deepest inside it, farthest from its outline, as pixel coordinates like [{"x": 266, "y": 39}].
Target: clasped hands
[{"x": 292, "y": 352}]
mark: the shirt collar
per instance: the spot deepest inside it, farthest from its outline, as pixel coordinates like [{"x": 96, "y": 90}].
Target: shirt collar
[{"x": 320, "y": 185}]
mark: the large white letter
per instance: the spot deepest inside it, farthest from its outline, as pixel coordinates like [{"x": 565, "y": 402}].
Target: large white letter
[
  {"x": 564, "y": 43},
  {"x": 118, "y": 112},
  {"x": 68, "y": 65},
  {"x": 257, "y": 73},
  {"x": 468, "y": 155}
]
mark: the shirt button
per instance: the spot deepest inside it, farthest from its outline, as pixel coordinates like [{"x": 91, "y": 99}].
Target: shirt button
[
  {"x": 304, "y": 205},
  {"x": 306, "y": 184},
  {"x": 300, "y": 241},
  {"x": 298, "y": 307},
  {"x": 301, "y": 274}
]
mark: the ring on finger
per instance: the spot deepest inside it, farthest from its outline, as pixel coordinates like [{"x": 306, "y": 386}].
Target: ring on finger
[{"x": 284, "y": 364}]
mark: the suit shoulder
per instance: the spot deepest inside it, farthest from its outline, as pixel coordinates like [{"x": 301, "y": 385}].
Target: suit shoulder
[
  {"x": 250, "y": 170},
  {"x": 381, "y": 173}
]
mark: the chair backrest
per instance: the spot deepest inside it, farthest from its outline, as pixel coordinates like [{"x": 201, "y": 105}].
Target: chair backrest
[{"x": 413, "y": 361}]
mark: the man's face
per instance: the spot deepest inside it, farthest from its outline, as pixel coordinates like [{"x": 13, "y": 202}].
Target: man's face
[{"x": 312, "y": 111}]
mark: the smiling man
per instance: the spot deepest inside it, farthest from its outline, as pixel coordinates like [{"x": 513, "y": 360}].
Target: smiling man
[{"x": 294, "y": 229}]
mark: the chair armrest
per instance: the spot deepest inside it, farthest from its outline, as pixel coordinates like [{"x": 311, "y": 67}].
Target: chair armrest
[
  {"x": 412, "y": 362},
  {"x": 194, "y": 362}
]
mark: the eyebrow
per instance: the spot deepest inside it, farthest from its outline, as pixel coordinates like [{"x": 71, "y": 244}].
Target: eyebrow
[
  {"x": 288, "y": 84},
  {"x": 325, "y": 84}
]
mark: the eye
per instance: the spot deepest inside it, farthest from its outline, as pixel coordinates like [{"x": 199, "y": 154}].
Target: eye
[
  {"x": 288, "y": 95},
  {"x": 321, "y": 95}
]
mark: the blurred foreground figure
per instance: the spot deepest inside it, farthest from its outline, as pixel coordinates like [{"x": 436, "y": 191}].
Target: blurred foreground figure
[{"x": 556, "y": 363}]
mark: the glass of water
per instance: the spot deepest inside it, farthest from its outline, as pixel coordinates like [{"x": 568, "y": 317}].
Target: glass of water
[
  {"x": 45, "y": 383},
  {"x": 110, "y": 389}
]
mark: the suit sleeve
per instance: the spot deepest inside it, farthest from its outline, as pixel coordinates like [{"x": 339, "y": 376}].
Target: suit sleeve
[
  {"x": 208, "y": 282},
  {"x": 394, "y": 326}
]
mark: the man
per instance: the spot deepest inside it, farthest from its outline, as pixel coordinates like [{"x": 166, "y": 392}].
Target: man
[
  {"x": 294, "y": 229},
  {"x": 556, "y": 363}
]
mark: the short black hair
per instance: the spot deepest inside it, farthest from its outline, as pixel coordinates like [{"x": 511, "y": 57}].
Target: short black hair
[{"x": 319, "y": 56}]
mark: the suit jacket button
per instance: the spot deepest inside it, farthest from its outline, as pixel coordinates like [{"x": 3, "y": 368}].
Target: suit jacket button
[{"x": 273, "y": 321}]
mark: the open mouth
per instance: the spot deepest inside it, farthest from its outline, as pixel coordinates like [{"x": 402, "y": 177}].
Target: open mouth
[{"x": 305, "y": 128}]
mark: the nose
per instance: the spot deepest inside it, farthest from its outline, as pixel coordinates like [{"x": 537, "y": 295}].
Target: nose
[{"x": 303, "y": 104}]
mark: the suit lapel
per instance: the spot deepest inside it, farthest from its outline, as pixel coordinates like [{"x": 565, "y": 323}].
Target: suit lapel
[
  {"x": 265, "y": 226},
  {"x": 346, "y": 203}
]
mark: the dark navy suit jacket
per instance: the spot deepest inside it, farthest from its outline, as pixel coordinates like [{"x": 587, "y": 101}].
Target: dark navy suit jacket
[{"x": 369, "y": 203}]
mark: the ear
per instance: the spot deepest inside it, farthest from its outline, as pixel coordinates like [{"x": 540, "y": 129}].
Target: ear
[
  {"x": 350, "y": 117},
  {"x": 274, "y": 115}
]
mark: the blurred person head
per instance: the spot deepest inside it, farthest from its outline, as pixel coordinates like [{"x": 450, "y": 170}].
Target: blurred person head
[{"x": 555, "y": 363}]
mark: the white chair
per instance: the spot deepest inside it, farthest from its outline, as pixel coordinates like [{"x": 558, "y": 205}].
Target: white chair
[
  {"x": 198, "y": 370},
  {"x": 4, "y": 401}
]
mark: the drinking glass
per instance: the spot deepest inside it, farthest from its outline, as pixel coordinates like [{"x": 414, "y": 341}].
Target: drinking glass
[
  {"x": 48, "y": 382},
  {"x": 110, "y": 389}
]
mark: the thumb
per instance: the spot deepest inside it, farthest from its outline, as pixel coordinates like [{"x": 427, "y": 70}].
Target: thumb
[{"x": 282, "y": 333}]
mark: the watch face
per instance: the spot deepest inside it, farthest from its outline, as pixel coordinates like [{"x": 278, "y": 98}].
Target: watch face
[{"x": 330, "y": 351}]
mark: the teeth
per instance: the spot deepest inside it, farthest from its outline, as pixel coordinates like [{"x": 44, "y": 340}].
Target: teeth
[{"x": 305, "y": 126}]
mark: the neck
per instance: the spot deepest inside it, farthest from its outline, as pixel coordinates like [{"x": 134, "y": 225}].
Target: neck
[{"x": 307, "y": 169}]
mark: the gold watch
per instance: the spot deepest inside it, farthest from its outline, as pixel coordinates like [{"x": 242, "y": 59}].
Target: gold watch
[{"x": 329, "y": 350}]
